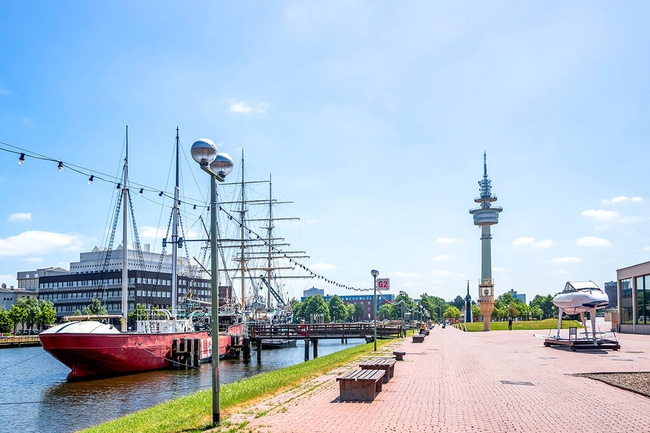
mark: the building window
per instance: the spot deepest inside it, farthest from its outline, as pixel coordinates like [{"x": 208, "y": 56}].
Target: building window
[
  {"x": 643, "y": 300},
  {"x": 627, "y": 308}
]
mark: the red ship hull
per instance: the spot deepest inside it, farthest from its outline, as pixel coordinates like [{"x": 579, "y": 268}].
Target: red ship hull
[{"x": 96, "y": 355}]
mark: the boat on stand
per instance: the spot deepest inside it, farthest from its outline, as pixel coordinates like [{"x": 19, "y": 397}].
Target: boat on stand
[{"x": 163, "y": 338}]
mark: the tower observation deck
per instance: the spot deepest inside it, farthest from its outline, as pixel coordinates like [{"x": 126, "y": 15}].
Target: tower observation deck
[{"x": 485, "y": 215}]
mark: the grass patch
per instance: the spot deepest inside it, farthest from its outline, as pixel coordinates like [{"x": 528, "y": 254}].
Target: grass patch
[
  {"x": 193, "y": 413},
  {"x": 533, "y": 325}
]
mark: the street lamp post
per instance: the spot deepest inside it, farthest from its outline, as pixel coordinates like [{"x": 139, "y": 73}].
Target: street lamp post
[
  {"x": 374, "y": 274},
  {"x": 218, "y": 166}
]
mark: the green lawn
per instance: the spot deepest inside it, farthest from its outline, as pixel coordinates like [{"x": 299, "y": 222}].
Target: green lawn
[
  {"x": 193, "y": 413},
  {"x": 532, "y": 325}
]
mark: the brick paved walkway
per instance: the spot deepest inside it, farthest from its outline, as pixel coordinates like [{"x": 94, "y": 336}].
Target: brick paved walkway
[{"x": 504, "y": 381}]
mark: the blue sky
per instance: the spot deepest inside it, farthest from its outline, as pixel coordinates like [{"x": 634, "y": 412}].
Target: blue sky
[{"x": 371, "y": 116}]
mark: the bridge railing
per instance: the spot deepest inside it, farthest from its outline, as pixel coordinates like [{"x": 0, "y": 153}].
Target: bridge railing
[{"x": 323, "y": 330}]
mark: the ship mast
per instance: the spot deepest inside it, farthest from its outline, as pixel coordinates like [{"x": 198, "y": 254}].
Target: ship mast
[
  {"x": 125, "y": 257},
  {"x": 175, "y": 211}
]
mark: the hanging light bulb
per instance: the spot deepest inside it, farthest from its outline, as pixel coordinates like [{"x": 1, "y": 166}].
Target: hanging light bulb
[
  {"x": 161, "y": 194},
  {"x": 119, "y": 185},
  {"x": 90, "y": 179},
  {"x": 194, "y": 207},
  {"x": 141, "y": 191},
  {"x": 21, "y": 159},
  {"x": 60, "y": 167}
]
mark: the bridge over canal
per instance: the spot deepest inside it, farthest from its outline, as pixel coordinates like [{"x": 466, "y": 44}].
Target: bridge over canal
[{"x": 312, "y": 333}]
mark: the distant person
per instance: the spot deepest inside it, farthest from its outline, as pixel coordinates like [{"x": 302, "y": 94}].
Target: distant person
[{"x": 510, "y": 323}]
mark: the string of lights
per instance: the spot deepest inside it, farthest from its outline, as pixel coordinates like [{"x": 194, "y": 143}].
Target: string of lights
[{"x": 94, "y": 175}]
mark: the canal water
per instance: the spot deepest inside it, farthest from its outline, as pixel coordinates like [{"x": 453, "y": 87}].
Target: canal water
[{"x": 35, "y": 396}]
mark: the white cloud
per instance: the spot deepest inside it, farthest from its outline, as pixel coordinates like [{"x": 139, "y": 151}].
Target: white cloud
[
  {"x": 498, "y": 269},
  {"x": 524, "y": 241},
  {"x": 448, "y": 240},
  {"x": 243, "y": 107},
  {"x": 21, "y": 216},
  {"x": 441, "y": 257},
  {"x": 592, "y": 241},
  {"x": 621, "y": 199},
  {"x": 321, "y": 267},
  {"x": 561, "y": 271},
  {"x": 566, "y": 260},
  {"x": 602, "y": 215},
  {"x": 520, "y": 242},
  {"x": 39, "y": 242}
]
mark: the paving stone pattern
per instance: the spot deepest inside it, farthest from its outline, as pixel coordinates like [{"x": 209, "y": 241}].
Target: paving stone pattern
[{"x": 504, "y": 381}]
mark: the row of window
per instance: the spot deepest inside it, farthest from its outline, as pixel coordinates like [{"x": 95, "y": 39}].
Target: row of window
[
  {"x": 118, "y": 282},
  {"x": 635, "y": 300},
  {"x": 117, "y": 294},
  {"x": 110, "y": 307}
]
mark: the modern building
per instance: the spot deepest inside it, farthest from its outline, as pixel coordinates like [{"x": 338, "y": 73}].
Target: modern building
[
  {"x": 633, "y": 298},
  {"x": 98, "y": 274},
  {"x": 28, "y": 280},
  {"x": 312, "y": 292},
  {"x": 610, "y": 291},
  {"x": 520, "y": 296},
  {"x": 9, "y": 295}
]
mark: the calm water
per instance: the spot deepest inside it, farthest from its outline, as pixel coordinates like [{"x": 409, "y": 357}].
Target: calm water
[{"x": 35, "y": 396}]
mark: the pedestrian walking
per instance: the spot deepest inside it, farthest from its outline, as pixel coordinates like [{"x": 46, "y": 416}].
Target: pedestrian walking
[{"x": 510, "y": 323}]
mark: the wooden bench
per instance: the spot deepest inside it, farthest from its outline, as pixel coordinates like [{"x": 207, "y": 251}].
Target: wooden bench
[
  {"x": 361, "y": 385},
  {"x": 418, "y": 338},
  {"x": 385, "y": 364},
  {"x": 399, "y": 355}
]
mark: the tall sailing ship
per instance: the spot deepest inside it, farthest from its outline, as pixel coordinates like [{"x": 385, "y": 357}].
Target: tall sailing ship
[
  {"x": 255, "y": 260},
  {"x": 162, "y": 338}
]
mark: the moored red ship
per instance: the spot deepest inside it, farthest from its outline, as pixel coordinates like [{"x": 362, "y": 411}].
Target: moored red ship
[{"x": 162, "y": 339}]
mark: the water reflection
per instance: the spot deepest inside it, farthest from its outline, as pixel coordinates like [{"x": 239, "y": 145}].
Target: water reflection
[{"x": 36, "y": 396}]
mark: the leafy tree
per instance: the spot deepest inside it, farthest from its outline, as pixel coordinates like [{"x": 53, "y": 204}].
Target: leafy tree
[
  {"x": 434, "y": 305},
  {"x": 29, "y": 304},
  {"x": 95, "y": 308},
  {"x": 505, "y": 299},
  {"x": 385, "y": 312},
  {"x": 337, "y": 308},
  {"x": 297, "y": 310},
  {"x": 359, "y": 312},
  {"x": 545, "y": 303},
  {"x": 451, "y": 312},
  {"x": 6, "y": 324},
  {"x": 313, "y": 305},
  {"x": 139, "y": 312},
  {"x": 351, "y": 310},
  {"x": 536, "y": 312},
  {"x": 17, "y": 315},
  {"x": 46, "y": 314},
  {"x": 476, "y": 312},
  {"x": 499, "y": 313},
  {"x": 77, "y": 312}
]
